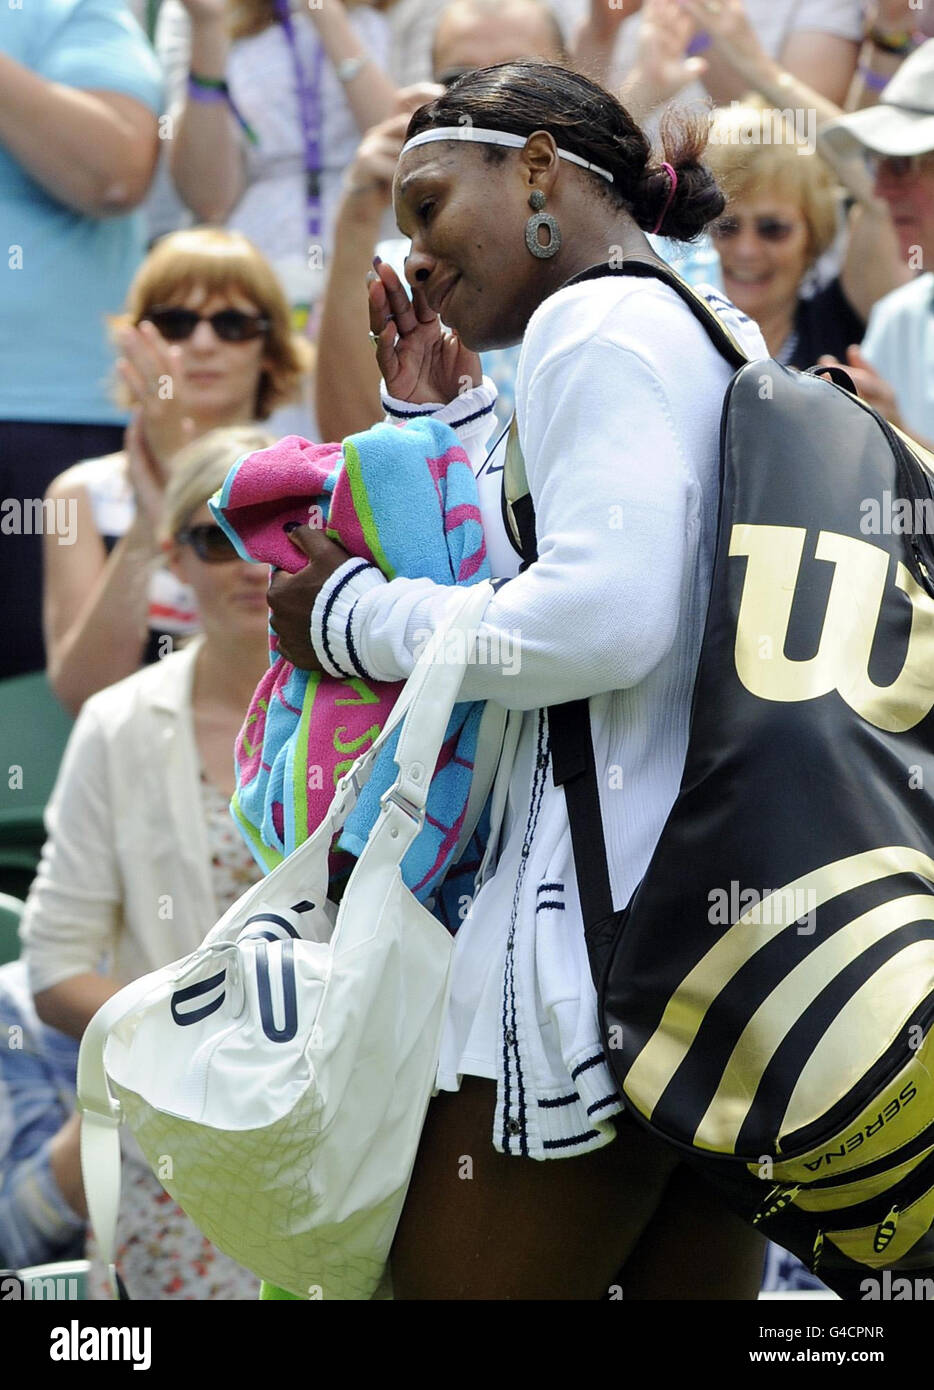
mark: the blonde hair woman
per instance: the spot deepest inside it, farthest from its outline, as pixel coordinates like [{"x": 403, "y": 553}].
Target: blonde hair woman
[
  {"x": 782, "y": 214},
  {"x": 142, "y": 855},
  {"x": 206, "y": 341}
]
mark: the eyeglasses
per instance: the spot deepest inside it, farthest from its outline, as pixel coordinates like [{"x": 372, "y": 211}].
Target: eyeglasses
[
  {"x": 898, "y": 166},
  {"x": 231, "y": 325},
  {"x": 771, "y": 229},
  {"x": 210, "y": 544}
]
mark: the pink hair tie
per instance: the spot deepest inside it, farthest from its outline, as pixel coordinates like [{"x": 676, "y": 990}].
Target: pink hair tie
[{"x": 668, "y": 201}]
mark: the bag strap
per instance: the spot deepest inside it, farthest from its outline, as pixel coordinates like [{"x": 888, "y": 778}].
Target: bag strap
[
  {"x": 101, "y": 1117},
  {"x": 570, "y": 737},
  {"x": 486, "y": 763},
  {"x": 462, "y": 619},
  {"x": 437, "y": 680},
  {"x": 518, "y": 511},
  {"x": 573, "y": 767},
  {"x": 500, "y": 794}
]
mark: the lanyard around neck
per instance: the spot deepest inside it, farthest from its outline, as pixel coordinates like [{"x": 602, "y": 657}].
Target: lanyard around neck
[{"x": 310, "y": 114}]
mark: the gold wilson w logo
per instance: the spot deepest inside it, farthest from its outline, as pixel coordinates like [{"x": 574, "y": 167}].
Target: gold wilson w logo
[{"x": 841, "y": 661}]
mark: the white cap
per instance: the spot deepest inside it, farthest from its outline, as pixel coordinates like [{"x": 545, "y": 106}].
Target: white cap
[{"x": 902, "y": 122}]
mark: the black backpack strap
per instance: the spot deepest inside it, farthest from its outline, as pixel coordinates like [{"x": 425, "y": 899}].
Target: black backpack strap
[
  {"x": 573, "y": 764},
  {"x": 524, "y": 514},
  {"x": 574, "y": 768},
  {"x": 572, "y": 756}
]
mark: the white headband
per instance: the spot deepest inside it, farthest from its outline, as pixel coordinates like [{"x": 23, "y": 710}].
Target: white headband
[{"x": 492, "y": 137}]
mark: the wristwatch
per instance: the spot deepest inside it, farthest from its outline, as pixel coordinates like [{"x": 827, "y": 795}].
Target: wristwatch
[{"x": 348, "y": 69}]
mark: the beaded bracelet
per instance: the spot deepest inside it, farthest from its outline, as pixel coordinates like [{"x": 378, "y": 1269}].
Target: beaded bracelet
[
  {"x": 207, "y": 88},
  {"x": 215, "y": 89},
  {"x": 899, "y": 44},
  {"x": 202, "y": 92}
]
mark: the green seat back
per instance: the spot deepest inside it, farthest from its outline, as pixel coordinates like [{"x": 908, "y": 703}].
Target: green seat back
[
  {"x": 11, "y": 910},
  {"x": 34, "y": 729}
]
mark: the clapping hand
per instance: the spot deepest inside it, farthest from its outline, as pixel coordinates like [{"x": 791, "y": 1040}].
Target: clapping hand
[
  {"x": 370, "y": 175},
  {"x": 727, "y": 24},
  {"x": 662, "y": 66},
  {"x": 146, "y": 475},
  {"x": 150, "y": 369}
]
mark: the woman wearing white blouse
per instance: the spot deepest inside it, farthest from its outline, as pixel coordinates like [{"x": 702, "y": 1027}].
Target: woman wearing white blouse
[{"x": 618, "y": 400}]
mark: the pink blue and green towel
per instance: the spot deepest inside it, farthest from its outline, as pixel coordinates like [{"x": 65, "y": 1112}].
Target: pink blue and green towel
[{"x": 405, "y": 499}]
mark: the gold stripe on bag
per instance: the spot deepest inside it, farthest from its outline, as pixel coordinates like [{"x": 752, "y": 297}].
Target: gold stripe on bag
[
  {"x": 779, "y": 1011},
  {"x": 848, "y": 1048},
  {"x": 687, "y": 1008},
  {"x": 892, "y": 1118}
]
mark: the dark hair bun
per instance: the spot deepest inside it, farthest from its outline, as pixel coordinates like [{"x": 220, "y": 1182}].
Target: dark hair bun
[{"x": 696, "y": 199}]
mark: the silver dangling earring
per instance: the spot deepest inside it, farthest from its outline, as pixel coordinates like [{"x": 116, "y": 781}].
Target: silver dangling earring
[{"x": 541, "y": 219}]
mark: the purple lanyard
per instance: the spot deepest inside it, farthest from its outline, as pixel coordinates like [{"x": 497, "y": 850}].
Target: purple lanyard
[{"x": 310, "y": 112}]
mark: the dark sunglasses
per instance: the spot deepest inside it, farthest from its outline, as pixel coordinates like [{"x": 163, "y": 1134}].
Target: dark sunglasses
[
  {"x": 767, "y": 228},
  {"x": 210, "y": 543},
  {"x": 232, "y": 325}
]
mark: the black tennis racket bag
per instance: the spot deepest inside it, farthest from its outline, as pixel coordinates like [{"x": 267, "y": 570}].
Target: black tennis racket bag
[{"x": 767, "y": 995}]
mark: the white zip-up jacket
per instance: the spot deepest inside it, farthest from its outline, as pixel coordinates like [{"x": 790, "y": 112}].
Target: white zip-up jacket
[{"x": 618, "y": 401}]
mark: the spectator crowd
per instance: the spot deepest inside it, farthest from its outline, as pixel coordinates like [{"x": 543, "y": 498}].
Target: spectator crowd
[{"x": 192, "y": 195}]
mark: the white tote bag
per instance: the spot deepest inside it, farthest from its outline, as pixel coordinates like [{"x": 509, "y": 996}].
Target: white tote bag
[{"x": 277, "y": 1078}]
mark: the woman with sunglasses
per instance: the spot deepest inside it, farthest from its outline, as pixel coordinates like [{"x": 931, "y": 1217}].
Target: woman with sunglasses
[
  {"x": 206, "y": 341},
  {"x": 781, "y": 217},
  {"x": 142, "y": 855}
]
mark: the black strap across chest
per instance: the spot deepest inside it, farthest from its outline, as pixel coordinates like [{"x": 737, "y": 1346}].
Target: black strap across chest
[{"x": 570, "y": 740}]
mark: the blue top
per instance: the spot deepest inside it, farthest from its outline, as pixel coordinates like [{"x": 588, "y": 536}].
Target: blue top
[
  {"x": 37, "y": 1094},
  {"x": 63, "y": 272}
]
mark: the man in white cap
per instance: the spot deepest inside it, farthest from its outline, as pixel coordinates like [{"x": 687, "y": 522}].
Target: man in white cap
[{"x": 897, "y": 136}]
